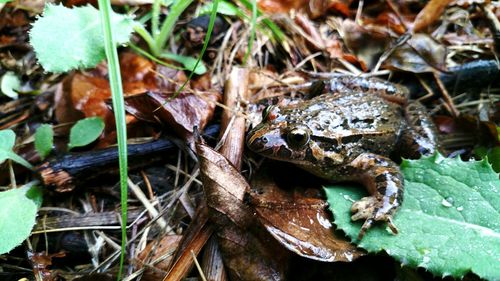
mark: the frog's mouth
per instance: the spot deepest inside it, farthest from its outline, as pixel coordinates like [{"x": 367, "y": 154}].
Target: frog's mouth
[{"x": 272, "y": 144}]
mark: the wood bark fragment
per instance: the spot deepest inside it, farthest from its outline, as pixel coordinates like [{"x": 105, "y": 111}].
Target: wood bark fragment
[
  {"x": 61, "y": 222},
  {"x": 65, "y": 172}
]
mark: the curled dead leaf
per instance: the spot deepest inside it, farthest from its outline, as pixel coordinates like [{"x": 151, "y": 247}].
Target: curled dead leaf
[
  {"x": 249, "y": 252},
  {"x": 297, "y": 217},
  {"x": 419, "y": 54}
]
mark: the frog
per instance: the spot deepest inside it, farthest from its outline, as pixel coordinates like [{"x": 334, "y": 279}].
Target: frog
[{"x": 351, "y": 130}]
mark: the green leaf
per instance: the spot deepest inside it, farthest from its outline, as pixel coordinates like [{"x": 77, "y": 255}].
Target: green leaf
[
  {"x": 85, "y": 132},
  {"x": 17, "y": 215},
  {"x": 7, "y": 141},
  {"x": 10, "y": 84},
  {"x": 449, "y": 222},
  {"x": 224, "y": 8},
  {"x": 5, "y": 1},
  {"x": 66, "y": 39},
  {"x": 44, "y": 139},
  {"x": 492, "y": 154},
  {"x": 188, "y": 62}
]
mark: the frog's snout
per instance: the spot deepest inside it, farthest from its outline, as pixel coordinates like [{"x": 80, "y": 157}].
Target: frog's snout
[{"x": 256, "y": 141}]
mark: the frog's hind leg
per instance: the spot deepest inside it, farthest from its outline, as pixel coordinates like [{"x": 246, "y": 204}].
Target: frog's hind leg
[
  {"x": 420, "y": 136},
  {"x": 384, "y": 181}
]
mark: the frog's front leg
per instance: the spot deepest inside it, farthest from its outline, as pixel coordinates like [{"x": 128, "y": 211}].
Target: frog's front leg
[
  {"x": 420, "y": 136},
  {"x": 384, "y": 181}
]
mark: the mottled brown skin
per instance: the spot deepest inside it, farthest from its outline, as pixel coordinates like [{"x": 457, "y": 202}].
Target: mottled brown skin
[{"x": 349, "y": 134}]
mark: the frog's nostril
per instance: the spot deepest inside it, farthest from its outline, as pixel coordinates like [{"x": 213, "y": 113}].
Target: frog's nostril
[{"x": 259, "y": 144}]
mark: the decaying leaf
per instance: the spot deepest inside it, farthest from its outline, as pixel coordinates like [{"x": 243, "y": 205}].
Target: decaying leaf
[
  {"x": 419, "y": 54},
  {"x": 298, "y": 219},
  {"x": 146, "y": 86},
  {"x": 251, "y": 253}
]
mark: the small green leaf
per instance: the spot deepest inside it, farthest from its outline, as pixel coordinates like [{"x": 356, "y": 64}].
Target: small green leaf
[
  {"x": 224, "y": 8},
  {"x": 66, "y": 39},
  {"x": 17, "y": 215},
  {"x": 10, "y": 84},
  {"x": 449, "y": 222},
  {"x": 85, "y": 132},
  {"x": 188, "y": 62},
  {"x": 44, "y": 140},
  {"x": 7, "y": 141}
]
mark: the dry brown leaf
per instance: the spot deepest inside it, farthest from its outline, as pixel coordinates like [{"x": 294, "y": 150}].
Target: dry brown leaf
[
  {"x": 419, "y": 54},
  {"x": 251, "y": 254},
  {"x": 298, "y": 219}
]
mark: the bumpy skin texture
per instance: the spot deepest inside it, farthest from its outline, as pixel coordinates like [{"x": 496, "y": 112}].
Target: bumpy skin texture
[{"x": 348, "y": 134}]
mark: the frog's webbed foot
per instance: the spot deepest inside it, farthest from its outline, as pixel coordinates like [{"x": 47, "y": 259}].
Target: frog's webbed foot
[
  {"x": 367, "y": 209},
  {"x": 384, "y": 181}
]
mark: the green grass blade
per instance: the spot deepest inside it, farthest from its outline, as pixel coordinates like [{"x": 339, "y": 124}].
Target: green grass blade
[
  {"x": 210, "y": 28},
  {"x": 168, "y": 24},
  {"x": 276, "y": 31},
  {"x": 119, "y": 110},
  {"x": 252, "y": 31}
]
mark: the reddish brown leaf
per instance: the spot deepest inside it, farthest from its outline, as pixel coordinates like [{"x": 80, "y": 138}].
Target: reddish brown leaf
[
  {"x": 280, "y": 6},
  {"x": 429, "y": 14},
  {"x": 86, "y": 94},
  {"x": 298, "y": 219}
]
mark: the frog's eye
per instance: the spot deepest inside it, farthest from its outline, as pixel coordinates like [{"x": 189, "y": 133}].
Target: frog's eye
[
  {"x": 298, "y": 137},
  {"x": 267, "y": 111}
]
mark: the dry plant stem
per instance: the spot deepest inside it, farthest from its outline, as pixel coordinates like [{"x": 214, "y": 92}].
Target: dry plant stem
[
  {"x": 212, "y": 261},
  {"x": 151, "y": 209},
  {"x": 236, "y": 90},
  {"x": 448, "y": 100},
  {"x": 148, "y": 185},
  {"x": 193, "y": 240},
  {"x": 494, "y": 24},
  {"x": 61, "y": 222}
]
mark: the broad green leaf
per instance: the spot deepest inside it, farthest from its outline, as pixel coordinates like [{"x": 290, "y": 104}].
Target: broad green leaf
[
  {"x": 66, "y": 39},
  {"x": 224, "y": 8},
  {"x": 10, "y": 84},
  {"x": 85, "y": 131},
  {"x": 449, "y": 222},
  {"x": 7, "y": 141},
  {"x": 44, "y": 139},
  {"x": 188, "y": 62},
  {"x": 17, "y": 215},
  {"x": 5, "y": 1}
]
